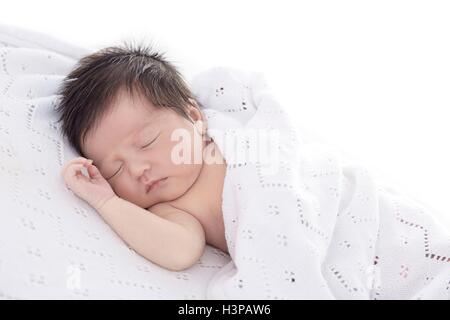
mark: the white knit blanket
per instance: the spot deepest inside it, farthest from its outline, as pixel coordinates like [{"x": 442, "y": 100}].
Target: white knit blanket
[
  {"x": 53, "y": 245},
  {"x": 302, "y": 223}
]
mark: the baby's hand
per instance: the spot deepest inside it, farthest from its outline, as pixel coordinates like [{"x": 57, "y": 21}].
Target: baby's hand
[{"x": 95, "y": 190}]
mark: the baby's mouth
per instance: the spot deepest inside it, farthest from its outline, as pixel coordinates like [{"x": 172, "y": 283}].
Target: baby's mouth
[{"x": 155, "y": 184}]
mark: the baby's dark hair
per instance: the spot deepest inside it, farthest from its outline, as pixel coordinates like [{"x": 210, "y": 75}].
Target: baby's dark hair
[{"x": 91, "y": 87}]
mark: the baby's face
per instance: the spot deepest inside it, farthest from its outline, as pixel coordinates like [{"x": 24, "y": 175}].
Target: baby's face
[{"x": 132, "y": 146}]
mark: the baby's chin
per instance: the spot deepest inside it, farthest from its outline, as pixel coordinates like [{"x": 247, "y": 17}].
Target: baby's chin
[{"x": 171, "y": 191}]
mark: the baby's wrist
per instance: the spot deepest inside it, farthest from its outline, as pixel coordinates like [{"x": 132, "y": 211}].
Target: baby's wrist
[{"x": 101, "y": 204}]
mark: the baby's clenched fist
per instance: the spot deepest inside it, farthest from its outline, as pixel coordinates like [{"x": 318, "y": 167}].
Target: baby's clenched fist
[{"x": 94, "y": 189}]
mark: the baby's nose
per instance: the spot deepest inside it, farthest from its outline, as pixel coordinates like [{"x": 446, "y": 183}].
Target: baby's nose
[{"x": 145, "y": 176}]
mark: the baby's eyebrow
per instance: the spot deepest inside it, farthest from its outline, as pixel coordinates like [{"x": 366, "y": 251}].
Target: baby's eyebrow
[{"x": 135, "y": 137}]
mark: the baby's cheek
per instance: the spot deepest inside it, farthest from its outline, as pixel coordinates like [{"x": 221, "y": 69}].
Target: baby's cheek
[
  {"x": 118, "y": 189},
  {"x": 125, "y": 191}
]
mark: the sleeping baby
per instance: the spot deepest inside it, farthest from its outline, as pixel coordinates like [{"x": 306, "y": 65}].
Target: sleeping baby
[
  {"x": 147, "y": 164},
  {"x": 297, "y": 219}
]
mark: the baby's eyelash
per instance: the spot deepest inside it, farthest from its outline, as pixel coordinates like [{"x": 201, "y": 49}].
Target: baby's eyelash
[
  {"x": 142, "y": 148},
  {"x": 114, "y": 173},
  {"x": 151, "y": 141}
]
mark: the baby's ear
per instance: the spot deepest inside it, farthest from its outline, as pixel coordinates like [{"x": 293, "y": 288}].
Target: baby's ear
[
  {"x": 197, "y": 117},
  {"x": 194, "y": 103},
  {"x": 201, "y": 126},
  {"x": 194, "y": 111}
]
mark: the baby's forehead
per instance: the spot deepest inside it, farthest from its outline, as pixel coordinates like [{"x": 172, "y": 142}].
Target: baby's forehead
[{"x": 128, "y": 120}]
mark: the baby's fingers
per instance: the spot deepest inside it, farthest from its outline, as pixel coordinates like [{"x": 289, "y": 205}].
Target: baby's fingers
[
  {"x": 78, "y": 160},
  {"x": 81, "y": 160},
  {"x": 94, "y": 173},
  {"x": 74, "y": 170}
]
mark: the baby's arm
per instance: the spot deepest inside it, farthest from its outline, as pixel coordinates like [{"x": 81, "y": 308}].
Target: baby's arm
[
  {"x": 168, "y": 237},
  {"x": 174, "y": 244}
]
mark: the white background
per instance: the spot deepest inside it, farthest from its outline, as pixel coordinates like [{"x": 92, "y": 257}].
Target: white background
[{"x": 369, "y": 77}]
